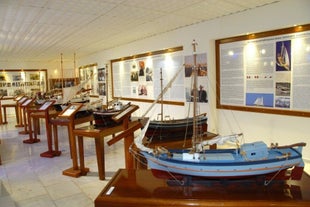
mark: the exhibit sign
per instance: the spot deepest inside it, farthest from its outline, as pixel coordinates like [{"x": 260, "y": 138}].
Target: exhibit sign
[{"x": 265, "y": 72}]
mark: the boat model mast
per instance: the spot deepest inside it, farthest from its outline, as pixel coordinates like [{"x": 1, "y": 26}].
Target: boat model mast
[{"x": 194, "y": 71}]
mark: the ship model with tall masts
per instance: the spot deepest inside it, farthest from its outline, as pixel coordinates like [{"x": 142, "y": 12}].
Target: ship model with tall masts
[
  {"x": 166, "y": 128},
  {"x": 247, "y": 159}
]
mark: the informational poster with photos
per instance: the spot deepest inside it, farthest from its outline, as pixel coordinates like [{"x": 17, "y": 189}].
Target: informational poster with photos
[
  {"x": 271, "y": 72},
  {"x": 202, "y": 80},
  {"x": 145, "y": 77}
]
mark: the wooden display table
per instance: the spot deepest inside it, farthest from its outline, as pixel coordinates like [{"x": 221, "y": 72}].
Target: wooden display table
[
  {"x": 46, "y": 112},
  {"x": 137, "y": 188},
  {"x": 125, "y": 128},
  {"x": 20, "y": 111},
  {"x": 67, "y": 118},
  {"x": 25, "y": 107},
  {"x": 99, "y": 135},
  {"x": 3, "y": 119}
]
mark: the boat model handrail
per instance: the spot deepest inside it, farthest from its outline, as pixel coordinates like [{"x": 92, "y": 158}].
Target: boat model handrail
[{"x": 299, "y": 144}]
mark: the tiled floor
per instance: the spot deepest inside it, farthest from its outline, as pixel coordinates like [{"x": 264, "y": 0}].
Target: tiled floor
[{"x": 28, "y": 180}]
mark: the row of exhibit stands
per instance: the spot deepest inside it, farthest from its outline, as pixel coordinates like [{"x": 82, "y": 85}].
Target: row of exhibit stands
[{"x": 28, "y": 115}]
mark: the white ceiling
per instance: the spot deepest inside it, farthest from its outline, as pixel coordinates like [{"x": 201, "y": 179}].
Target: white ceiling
[{"x": 39, "y": 30}]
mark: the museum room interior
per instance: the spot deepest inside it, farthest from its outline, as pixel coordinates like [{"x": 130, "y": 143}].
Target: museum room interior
[{"x": 81, "y": 80}]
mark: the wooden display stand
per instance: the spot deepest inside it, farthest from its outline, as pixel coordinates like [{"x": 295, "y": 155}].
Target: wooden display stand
[
  {"x": 137, "y": 188},
  {"x": 67, "y": 118},
  {"x": 126, "y": 128},
  {"x": 1, "y": 120},
  {"x": 46, "y": 113},
  {"x": 9, "y": 105},
  {"x": 20, "y": 111},
  {"x": 25, "y": 108},
  {"x": 0, "y": 155}
]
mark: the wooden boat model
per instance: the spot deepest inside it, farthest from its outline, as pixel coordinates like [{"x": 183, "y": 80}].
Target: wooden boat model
[
  {"x": 247, "y": 159},
  {"x": 103, "y": 118},
  {"x": 251, "y": 159},
  {"x": 175, "y": 128}
]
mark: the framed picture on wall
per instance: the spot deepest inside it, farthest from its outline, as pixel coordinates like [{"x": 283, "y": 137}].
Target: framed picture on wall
[{"x": 88, "y": 80}]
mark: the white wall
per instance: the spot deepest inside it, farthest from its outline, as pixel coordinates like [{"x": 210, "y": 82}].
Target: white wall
[{"x": 270, "y": 128}]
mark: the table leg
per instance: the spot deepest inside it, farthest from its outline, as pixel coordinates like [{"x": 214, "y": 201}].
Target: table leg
[
  {"x": 50, "y": 153},
  {"x": 1, "y": 120},
  {"x": 16, "y": 113},
  {"x": 100, "y": 157},
  {"x": 74, "y": 171},
  {"x": 24, "y": 112},
  {"x": 84, "y": 170},
  {"x": 31, "y": 140},
  {"x": 4, "y": 114},
  {"x": 20, "y": 117},
  {"x": 129, "y": 160}
]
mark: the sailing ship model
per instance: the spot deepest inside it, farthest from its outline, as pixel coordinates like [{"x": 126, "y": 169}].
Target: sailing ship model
[
  {"x": 248, "y": 159},
  {"x": 103, "y": 116},
  {"x": 172, "y": 129}
]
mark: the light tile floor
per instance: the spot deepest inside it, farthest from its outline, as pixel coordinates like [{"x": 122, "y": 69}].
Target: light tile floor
[{"x": 28, "y": 180}]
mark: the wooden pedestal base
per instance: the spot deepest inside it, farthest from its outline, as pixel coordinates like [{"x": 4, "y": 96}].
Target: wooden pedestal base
[
  {"x": 31, "y": 141},
  {"x": 140, "y": 188},
  {"x": 23, "y": 132},
  {"x": 75, "y": 173},
  {"x": 50, "y": 154}
]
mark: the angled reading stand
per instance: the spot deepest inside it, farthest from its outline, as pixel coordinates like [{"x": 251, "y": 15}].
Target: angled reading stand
[
  {"x": 71, "y": 110},
  {"x": 125, "y": 113},
  {"x": 67, "y": 118},
  {"x": 46, "y": 105},
  {"x": 45, "y": 113},
  {"x": 34, "y": 114}
]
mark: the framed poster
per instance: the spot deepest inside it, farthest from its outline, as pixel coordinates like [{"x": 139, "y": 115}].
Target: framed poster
[
  {"x": 138, "y": 77},
  {"x": 87, "y": 74},
  {"x": 20, "y": 82},
  {"x": 265, "y": 72}
]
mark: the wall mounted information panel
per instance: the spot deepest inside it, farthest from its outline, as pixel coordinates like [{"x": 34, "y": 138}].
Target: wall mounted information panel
[
  {"x": 138, "y": 77},
  {"x": 267, "y": 72},
  {"x": 28, "y": 81},
  {"x": 87, "y": 74}
]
